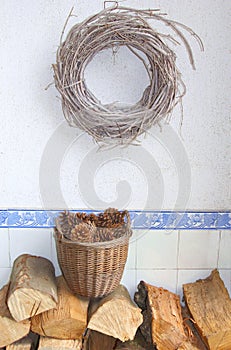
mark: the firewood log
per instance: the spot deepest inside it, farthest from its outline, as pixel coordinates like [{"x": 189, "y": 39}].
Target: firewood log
[
  {"x": 32, "y": 287},
  {"x": 210, "y": 306},
  {"x": 163, "y": 323},
  {"x": 27, "y": 343},
  {"x": 68, "y": 320},
  {"x": 138, "y": 343},
  {"x": 116, "y": 315},
  {"x": 98, "y": 341},
  {"x": 59, "y": 344},
  {"x": 10, "y": 330}
]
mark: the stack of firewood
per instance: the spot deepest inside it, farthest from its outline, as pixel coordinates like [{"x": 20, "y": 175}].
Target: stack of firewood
[{"x": 39, "y": 311}]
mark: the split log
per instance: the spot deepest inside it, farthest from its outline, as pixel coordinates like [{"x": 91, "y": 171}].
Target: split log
[
  {"x": 32, "y": 287},
  {"x": 138, "y": 343},
  {"x": 116, "y": 315},
  {"x": 59, "y": 344},
  {"x": 68, "y": 320},
  {"x": 163, "y": 324},
  {"x": 10, "y": 330},
  {"x": 210, "y": 306},
  {"x": 27, "y": 343},
  {"x": 98, "y": 341}
]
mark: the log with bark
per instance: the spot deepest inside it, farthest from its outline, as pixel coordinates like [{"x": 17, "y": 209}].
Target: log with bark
[
  {"x": 210, "y": 306},
  {"x": 68, "y": 320},
  {"x": 59, "y": 344},
  {"x": 163, "y": 324},
  {"x": 27, "y": 343},
  {"x": 98, "y": 341},
  {"x": 116, "y": 315},
  {"x": 10, "y": 330},
  {"x": 32, "y": 287}
]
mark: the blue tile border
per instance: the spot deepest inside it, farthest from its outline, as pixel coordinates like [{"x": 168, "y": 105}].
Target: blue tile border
[{"x": 153, "y": 220}]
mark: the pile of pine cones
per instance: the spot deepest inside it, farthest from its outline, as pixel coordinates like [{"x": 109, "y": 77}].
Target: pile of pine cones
[{"x": 81, "y": 227}]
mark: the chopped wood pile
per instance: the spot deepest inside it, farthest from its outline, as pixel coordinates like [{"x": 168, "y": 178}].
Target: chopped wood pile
[{"x": 39, "y": 311}]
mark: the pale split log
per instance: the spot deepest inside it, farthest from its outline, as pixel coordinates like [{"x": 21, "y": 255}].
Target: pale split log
[
  {"x": 68, "y": 320},
  {"x": 10, "y": 330},
  {"x": 210, "y": 306},
  {"x": 163, "y": 324},
  {"x": 27, "y": 343},
  {"x": 116, "y": 315},
  {"x": 98, "y": 341},
  {"x": 32, "y": 287},
  {"x": 59, "y": 344}
]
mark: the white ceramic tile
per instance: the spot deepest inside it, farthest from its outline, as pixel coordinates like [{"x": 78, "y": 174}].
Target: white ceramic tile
[
  {"x": 157, "y": 249},
  {"x": 4, "y": 275},
  {"x": 198, "y": 249},
  {"x": 31, "y": 241},
  {"x": 225, "y": 250},
  {"x": 131, "y": 259},
  {"x": 226, "y": 277},
  {"x": 190, "y": 276},
  {"x": 4, "y": 248},
  {"x": 159, "y": 278},
  {"x": 54, "y": 258},
  {"x": 129, "y": 281}
]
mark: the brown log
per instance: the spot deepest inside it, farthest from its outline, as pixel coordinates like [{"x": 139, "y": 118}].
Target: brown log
[
  {"x": 210, "y": 306},
  {"x": 98, "y": 341},
  {"x": 163, "y": 324},
  {"x": 10, "y": 330},
  {"x": 116, "y": 315},
  {"x": 27, "y": 343},
  {"x": 32, "y": 287},
  {"x": 68, "y": 320},
  {"x": 59, "y": 344},
  {"x": 138, "y": 343}
]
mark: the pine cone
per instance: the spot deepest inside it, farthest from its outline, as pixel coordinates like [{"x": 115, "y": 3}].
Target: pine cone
[
  {"x": 63, "y": 221},
  {"x": 82, "y": 232}
]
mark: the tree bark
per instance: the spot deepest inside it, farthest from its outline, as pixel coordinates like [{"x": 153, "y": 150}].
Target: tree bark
[
  {"x": 116, "y": 315},
  {"x": 10, "y": 330},
  {"x": 98, "y": 341},
  {"x": 163, "y": 324},
  {"x": 32, "y": 287},
  {"x": 210, "y": 306},
  {"x": 68, "y": 320},
  {"x": 59, "y": 344}
]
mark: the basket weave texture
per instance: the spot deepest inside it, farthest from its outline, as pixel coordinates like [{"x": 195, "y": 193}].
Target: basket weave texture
[{"x": 93, "y": 269}]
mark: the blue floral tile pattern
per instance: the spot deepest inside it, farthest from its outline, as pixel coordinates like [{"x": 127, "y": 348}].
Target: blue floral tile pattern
[{"x": 153, "y": 220}]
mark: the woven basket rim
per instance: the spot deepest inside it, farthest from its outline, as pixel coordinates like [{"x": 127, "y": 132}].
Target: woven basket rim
[{"x": 103, "y": 244}]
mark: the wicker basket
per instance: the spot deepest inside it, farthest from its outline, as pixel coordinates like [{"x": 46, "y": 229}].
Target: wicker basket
[{"x": 93, "y": 269}]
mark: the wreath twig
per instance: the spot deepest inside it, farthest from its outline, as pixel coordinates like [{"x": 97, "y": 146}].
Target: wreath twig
[{"x": 114, "y": 27}]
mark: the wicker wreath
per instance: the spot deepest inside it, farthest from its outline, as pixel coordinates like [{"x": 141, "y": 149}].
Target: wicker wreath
[{"x": 113, "y": 27}]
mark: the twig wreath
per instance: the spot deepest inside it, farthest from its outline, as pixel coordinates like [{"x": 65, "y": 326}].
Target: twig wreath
[{"x": 113, "y": 27}]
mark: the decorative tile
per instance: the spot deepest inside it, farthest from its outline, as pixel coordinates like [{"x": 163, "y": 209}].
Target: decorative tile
[
  {"x": 5, "y": 252},
  {"x": 159, "y": 278},
  {"x": 153, "y": 220},
  {"x": 157, "y": 250},
  {"x": 31, "y": 241},
  {"x": 225, "y": 250},
  {"x": 198, "y": 249}
]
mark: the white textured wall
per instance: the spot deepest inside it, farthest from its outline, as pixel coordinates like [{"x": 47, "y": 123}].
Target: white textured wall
[
  {"x": 30, "y": 32},
  {"x": 31, "y": 145}
]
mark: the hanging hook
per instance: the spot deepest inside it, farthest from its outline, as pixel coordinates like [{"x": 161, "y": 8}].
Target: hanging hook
[{"x": 109, "y": 1}]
